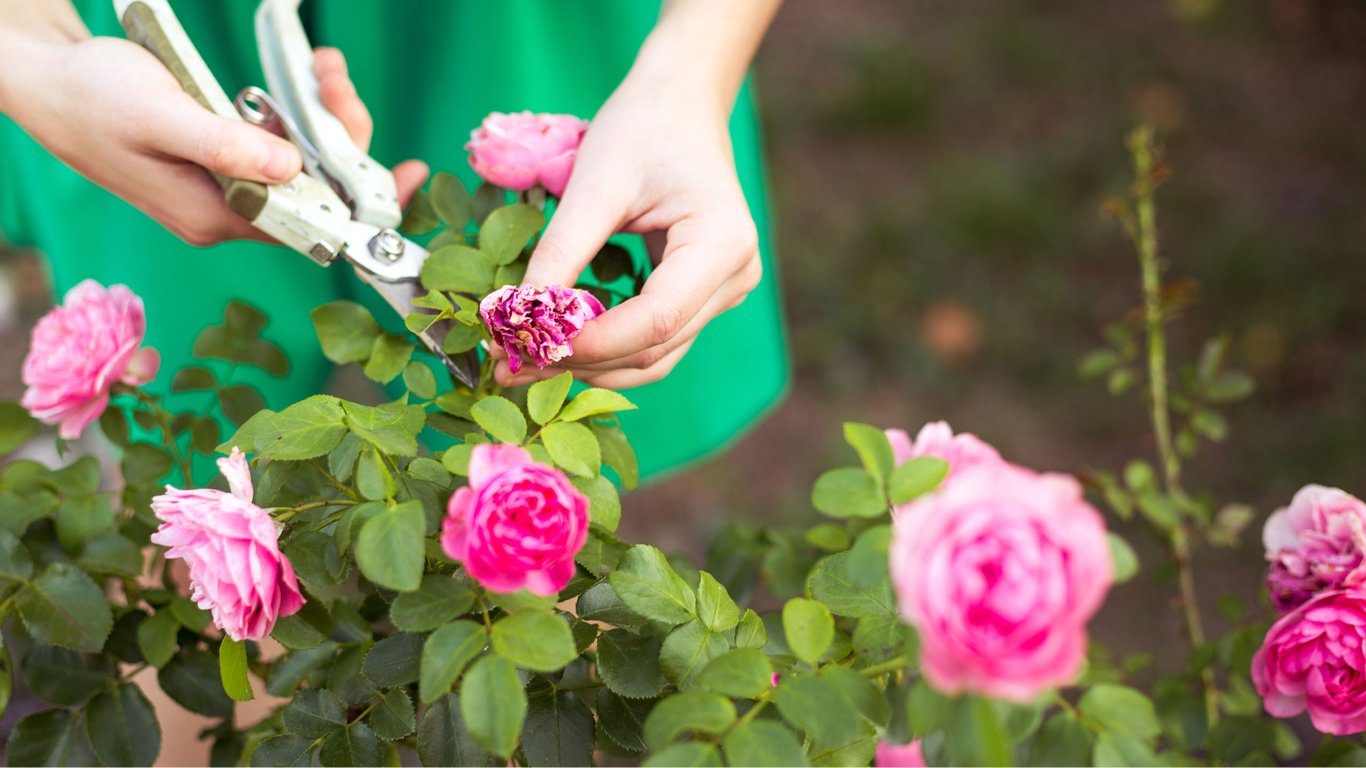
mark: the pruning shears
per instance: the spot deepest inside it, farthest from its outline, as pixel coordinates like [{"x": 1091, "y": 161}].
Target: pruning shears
[{"x": 344, "y": 205}]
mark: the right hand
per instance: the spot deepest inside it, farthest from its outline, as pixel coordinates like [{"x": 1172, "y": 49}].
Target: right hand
[{"x": 109, "y": 109}]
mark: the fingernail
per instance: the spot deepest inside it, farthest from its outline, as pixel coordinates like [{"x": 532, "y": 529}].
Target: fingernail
[{"x": 280, "y": 160}]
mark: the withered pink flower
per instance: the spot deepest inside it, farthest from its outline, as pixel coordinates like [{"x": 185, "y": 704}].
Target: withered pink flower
[
  {"x": 1316, "y": 543},
  {"x": 80, "y": 350},
  {"x": 231, "y": 546},
  {"x": 520, "y": 150},
  {"x": 537, "y": 322}
]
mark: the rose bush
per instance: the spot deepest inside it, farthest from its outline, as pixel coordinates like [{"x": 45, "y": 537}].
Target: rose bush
[{"x": 438, "y": 579}]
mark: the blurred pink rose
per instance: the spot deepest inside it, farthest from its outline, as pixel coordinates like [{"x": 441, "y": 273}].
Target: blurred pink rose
[
  {"x": 1313, "y": 659},
  {"x": 520, "y": 150},
  {"x": 1316, "y": 543},
  {"x": 518, "y": 524},
  {"x": 231, "y": 546},
  {"x": 937, "y": 439},
  {"x": 537, "y": 322},
  {"x": 899, "y": 755},
  {"x": 999, "y": 571},
  {"x": 80, "y": 350}
]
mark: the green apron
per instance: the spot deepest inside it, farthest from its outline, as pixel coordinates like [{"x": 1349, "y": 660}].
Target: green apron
[{"x": 429, "y": 70}]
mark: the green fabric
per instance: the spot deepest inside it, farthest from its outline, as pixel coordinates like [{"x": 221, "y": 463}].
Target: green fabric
[{"x": 429, "y": 70}]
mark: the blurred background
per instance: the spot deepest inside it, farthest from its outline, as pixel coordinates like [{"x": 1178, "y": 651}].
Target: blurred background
[{"x": 938, "y": 169}]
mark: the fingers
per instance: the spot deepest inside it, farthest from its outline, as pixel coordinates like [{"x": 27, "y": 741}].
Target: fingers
[
  {"x": 409, "y": 176},
  {"x": 235, "y": 148},
  {"x": 585, "y": 218},
  {"x": 629, "y": 377},
  {"x": 339, "y": 95}
]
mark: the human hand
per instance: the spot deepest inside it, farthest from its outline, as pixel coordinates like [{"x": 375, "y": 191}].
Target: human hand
[
  {"x": 111, "y": 110},
  {"x": 655, "y": 161}
]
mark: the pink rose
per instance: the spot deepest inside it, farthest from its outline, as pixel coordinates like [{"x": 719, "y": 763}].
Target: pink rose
[
  {"x": 891, "y": 755},
  {"x": 1316, "y": 543},
  {"x": 1313, "y": 658},
  {"x": 232, "y": 548},
  {"x": 537, "y": 322},
  {"x": 518, "y": 524},
  {"x": 999, "y": 571},
  {"x": 520, "y": 150},
  {"x": 80, "y": 350},
  {"x": 937, "y": 439}
]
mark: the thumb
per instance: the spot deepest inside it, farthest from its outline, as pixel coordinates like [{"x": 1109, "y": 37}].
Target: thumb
[
  {"x": 232, "y": 147},
  {"x": 576, "y": 233}
]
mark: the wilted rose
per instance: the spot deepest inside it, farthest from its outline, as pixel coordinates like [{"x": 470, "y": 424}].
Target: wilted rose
[
  {"x": 80, "y": 350},
  {"x": 1316, "y": 543},
  {"x": 518, "y": 524},
  {"x": 1000, "y": 571},
  {"x": 231, "y": 546},
  {"x": 520, "y": 150},
  {"x": 1313, "y": 658},
  {"x": 537, "y": 322}
]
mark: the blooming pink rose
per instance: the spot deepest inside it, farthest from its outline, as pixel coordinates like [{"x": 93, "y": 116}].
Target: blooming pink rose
[
  {"x": 518, "y": 524},
  {"x": 80, "y": 350},
  {"x": 899, "y": 755},
  {"x": 537, "y": 322},
  {"x": 1313, "y": 659},
  {"x": 1316, "y": 543},
  {"x": 937, "y": 439},
  {"x": 520, "y": 150},
  {"x": 232, "y": 548},
  {"x": 999, "y": 571}
]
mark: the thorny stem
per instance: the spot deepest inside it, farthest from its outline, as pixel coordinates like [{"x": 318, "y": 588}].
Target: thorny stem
[{"x": 1145, "y": 240}]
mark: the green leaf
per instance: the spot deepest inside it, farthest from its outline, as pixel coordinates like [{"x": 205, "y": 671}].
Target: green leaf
[
  {"x": 873, "y": 449},
  {"x": 458, "y": 268},
  {"x": 817, "y": 707},
  {"x": 394, "y": 661},
  {"x": 444, "y": 656},
  {"x": 244, "y": 438},
  {"x": 1230, "y": 386},
  {"x": 879, "y": 637},
  {"x": 190, "y": 615},
  {"x": 647, "y": 584},
  {"x": 451, "y": 201},
  {"x": 975, "y": 734},
  {"x": 289, "y": 672},
  {"x": 544, "y": 398},
  {"x": 144, "y": 463},
  {"x": 604, "y": 503},
  {"x": 916, "y": 477},
  {"x": 284, "y": 750},
  {"x": 601, "y": 603},
  {"x": 618, "y": 454},
  {"x": 623, "y": 720},
  {"x": 462, "y": 338},
  {"x": 595, "y": 402},
  {"x": 867, "y": 562},
  {"x": 389, "y": 548},
  {"x": 506, "y": 231},
  {"x": 715, "y": 607},
  {"x": 16, "y": 426},
  {"x": 373, "y": 479},
  {"x": 347, "y": 331},
  {"x": 573, "y": 448},
  {"x": 750, "y": 633},
  {"x": 437, "y": 601},
  {"x": 355, "y": 744},
  {"x": 193, "y": 378},
  {"x": 867, "y": 698},
  {"x": 831, "y": 583},
  {"x": 305, "y": 430},
  {"x": 192, "y": 680},
  {"x": 389, "y": 355},
  {"x": 763, "y": 743},
  {"x": 111, "y": 553},
  {"x": 691, "y": 753},
  {"x": 809, "y": 628},
  {"x": 394, "y": 717},
  {"x": 81, "y": 518},
  {"x": 52, "y": 737},
  {"x": 744, "y": 673},
  {"x": 540, "y": 642},
  {"x": 1121, "y": 710},
  {"x": 420, "y": 380},
  {"x": 240, "y": 402},
  {"x": 1123, "y": 557},
  {"x": 687, "y": 651},
  {"x": 392, "y": 428},
  {"x": 629, "y": 664},
  {"x": 690, "y": 712},
  {"x": 232, "y": 668},
  {"x": 848, "y": 492},
  {"x": 15, "y": 561},
  {"x": 1121, "y": 749},
  {"x": 64, "y": 607},
  {"x": 443, "y": 738},
  {"x": 493, "y": 704},
  {"x": 122, "y": 727},
  {"x": 828, "y": 536},
  {"x": 559, "y": 729},
  {"x": 1061, "y": 740},
  {"x": 501, "y": 419},
  {"x": 314, "y": 713},
  {"x": 421, "y": 217},
  {"x": 66, "y": 678}
]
